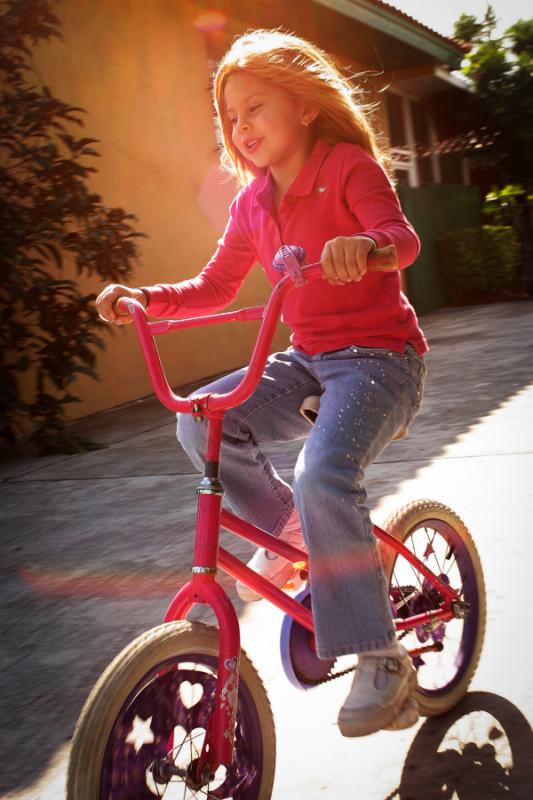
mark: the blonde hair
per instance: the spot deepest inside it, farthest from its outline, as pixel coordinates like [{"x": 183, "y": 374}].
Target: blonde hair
[{"x": 305, "y": 71}]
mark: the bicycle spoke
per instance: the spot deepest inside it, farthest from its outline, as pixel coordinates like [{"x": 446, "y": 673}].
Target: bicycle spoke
[
  {"x": 434, "y": 552},
  {"x": 416, "y": 574},
  {"x": 453, "y": 563},
  {"x": 435, "y": 667},
  {"x": 405, "y": 599},
  {"x": 429, "y": 549}
]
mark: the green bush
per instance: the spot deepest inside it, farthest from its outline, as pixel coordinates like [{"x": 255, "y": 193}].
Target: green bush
[
  {"x": 49, "y": 215},
  {"x": 479, "y": 264}
]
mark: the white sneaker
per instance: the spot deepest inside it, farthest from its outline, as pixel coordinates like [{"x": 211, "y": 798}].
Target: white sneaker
[
  {"x": 273, "y": 567},
  {"x": 379, "y": 696}
]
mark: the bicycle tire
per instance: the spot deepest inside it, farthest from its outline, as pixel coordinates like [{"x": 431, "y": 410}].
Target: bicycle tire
[
  {"x": 403, "y": 525},
  {"x": 101, "y": 765}
]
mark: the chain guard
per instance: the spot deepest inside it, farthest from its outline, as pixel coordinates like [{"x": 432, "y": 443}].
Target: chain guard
[{"x": 302, "y": 666}]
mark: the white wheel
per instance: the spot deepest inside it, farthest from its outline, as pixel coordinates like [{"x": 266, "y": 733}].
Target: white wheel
[{"x": 143, "y": 725}]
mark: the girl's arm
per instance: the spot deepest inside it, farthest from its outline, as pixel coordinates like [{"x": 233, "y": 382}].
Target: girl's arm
[
  {"x": 214, "y": 288},
  {"x": 216, "y": 285},
  {"x": 371, "y": 198}
]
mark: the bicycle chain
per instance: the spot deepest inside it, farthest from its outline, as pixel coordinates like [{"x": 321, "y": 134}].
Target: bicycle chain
[
  {"x": 329, "y": 677},
  {"x": 332, "y": 676}
]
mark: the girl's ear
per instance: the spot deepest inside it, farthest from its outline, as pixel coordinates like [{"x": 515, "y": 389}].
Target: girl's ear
[{"x": 309, "y": 113}]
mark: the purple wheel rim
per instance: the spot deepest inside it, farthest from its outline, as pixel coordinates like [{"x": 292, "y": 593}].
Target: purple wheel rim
[
  {"x": 470, "y": 595},
  {"x": 157, "y": 695}
]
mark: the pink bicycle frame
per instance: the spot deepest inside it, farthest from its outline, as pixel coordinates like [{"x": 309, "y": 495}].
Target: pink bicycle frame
[{"x": 203, "y": 588}]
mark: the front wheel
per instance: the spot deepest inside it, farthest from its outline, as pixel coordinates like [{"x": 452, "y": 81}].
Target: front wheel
[
  {"x": 147, "y": 716},
  {"x": 448, "y": 652}
]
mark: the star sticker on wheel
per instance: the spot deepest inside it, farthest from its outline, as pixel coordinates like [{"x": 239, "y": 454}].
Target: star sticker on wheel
[{"x": 141, "y": 733}]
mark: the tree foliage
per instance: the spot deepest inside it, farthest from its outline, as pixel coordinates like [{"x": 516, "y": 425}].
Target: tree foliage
[
  {"x": 48, "y": 216},
  {"x": 501, "y": 71}
]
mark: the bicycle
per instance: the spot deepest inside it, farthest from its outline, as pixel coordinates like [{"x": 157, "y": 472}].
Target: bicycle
[{"x": 181, "y": 711}]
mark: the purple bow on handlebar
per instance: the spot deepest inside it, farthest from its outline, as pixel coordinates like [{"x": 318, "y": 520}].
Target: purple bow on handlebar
[{"x": 290, "y": 259}]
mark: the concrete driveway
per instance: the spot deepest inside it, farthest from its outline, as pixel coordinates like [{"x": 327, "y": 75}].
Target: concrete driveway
[{"x": 94, "y": 546}]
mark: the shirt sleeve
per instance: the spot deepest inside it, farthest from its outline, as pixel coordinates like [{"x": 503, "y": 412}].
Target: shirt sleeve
[
  {"x": 371, "y": 198},
  {"x": 216, "y": 285}
]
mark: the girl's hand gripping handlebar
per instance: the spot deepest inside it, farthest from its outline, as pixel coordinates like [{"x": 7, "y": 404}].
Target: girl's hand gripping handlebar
[{"x": 289, "y": 258}]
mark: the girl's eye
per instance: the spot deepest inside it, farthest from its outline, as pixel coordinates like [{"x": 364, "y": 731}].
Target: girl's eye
[{"x": 253, "y": 109}]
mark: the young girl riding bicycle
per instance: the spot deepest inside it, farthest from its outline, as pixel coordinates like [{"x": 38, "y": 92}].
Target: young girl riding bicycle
[{"x": 313, "y": 174}]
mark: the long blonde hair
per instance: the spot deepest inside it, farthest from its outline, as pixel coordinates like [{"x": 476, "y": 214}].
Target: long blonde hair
[{"x": 307, "y": 72}]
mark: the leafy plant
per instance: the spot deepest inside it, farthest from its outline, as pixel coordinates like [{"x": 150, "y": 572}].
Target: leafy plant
[
  {"x": 501, "y": 205},
  {"x": 49, "y": 217},
  {"x": 479, "y": 264},
  {"x": 501, "y": 71}
]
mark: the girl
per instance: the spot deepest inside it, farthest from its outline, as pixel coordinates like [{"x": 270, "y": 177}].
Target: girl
[{"x": 312, "y": 172}]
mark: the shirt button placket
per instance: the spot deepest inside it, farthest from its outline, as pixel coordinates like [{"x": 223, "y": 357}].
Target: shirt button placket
[{"x": 282, "y": 216}]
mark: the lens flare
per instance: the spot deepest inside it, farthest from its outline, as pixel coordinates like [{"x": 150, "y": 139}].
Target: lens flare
[{"x": 210, "y": 21}]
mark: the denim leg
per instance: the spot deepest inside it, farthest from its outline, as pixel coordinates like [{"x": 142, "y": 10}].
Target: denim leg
[
  {"x": 253, "y": 488},
  {"x": 368, "y": 395}
]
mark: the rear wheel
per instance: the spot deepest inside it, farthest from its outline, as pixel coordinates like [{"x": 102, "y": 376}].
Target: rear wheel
[
  {"x": 450, "y": 650},
  {"x": 143, "y": 726}
]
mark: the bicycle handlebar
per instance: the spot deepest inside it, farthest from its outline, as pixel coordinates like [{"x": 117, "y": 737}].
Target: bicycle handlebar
[{"x": 379, "y": 260}]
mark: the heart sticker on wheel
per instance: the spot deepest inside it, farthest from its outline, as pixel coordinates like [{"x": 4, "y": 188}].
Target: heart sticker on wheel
[
  {"x": 231, "y": 664},
  {"x": 190, "y": 693}
]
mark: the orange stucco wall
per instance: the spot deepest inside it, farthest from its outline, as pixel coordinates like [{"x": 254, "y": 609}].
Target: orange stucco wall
[{"x": 140, "y": 70}]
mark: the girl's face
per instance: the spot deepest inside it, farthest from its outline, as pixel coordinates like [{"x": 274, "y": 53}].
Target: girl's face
[{"x": 268, "y": 124}]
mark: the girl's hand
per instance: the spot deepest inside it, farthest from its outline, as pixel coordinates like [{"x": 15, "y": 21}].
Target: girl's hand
[
  {"x": 344, "y": 258},
  {"x": 106, "y": 303}
]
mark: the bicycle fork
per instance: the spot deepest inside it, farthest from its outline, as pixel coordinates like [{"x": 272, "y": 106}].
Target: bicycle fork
[{"x": 203, "y": 589}]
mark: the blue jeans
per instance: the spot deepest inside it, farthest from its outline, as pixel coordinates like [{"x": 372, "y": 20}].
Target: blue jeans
[{"x": 367, "y": 396}]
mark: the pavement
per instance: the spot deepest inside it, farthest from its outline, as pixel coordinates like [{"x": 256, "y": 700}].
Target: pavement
[{"x": 95, "y": 545}]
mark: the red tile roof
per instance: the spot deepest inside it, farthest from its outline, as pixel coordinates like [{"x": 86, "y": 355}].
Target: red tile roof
[{"x": 457, "y": 43}]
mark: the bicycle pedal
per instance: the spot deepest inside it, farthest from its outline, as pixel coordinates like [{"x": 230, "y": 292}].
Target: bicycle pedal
[
  {"x": 295, "y": 581},
  {"x": 301, "y": 571},
  {"x": 289, "y": 586},
  {"x": 292, "y": 584}
]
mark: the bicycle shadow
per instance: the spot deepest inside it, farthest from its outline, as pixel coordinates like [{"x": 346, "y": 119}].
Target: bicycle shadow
[{"x": 481, "y": 749}]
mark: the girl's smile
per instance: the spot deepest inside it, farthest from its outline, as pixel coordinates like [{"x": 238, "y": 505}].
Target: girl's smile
[{"x": 251, "y": 145}]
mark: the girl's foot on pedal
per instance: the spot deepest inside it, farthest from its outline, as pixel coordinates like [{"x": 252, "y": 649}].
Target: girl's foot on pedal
[
  {"x": 273, "y": 567},
  {"x": 378, "y": 698}
]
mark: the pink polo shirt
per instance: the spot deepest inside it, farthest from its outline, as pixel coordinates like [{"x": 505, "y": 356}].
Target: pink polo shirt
[{"x": 340, "y": 191}]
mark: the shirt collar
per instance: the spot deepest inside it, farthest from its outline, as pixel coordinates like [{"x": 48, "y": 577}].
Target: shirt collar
[{"x": 304, "y": 182}]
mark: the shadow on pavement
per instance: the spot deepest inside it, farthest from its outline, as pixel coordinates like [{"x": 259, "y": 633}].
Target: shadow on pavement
[
  {"x": 481, "y": 749},
  {"x": 96, "y": 544}
]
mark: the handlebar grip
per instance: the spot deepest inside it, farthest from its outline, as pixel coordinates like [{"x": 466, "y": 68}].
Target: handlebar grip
[
  {"x": 118, "y": 306},
  {"x": 383, "y": 259},
  {"x": 290, "y": 260}
]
